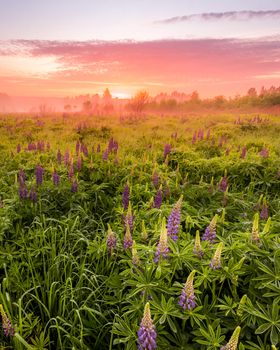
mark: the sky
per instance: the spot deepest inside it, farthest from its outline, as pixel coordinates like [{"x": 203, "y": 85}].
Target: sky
[{"x": 72, "y": 47}]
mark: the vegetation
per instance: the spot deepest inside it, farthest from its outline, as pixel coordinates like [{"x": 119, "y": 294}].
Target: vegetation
[{"x": 113, "y": 229}]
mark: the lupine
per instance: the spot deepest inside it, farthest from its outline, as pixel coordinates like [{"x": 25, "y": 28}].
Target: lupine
[
  {"x": 33, "y": 195},
  {"x": 74, "y": 186},
  {"x": 158, "y": 199},
  {"x": 264, "y": 211},
  {"x": 167, "y": 150},
  {"x": 162, "y": 247},
  {"x": 6, "y": 323},
  {"x": 105, "y": 155},
  {"x": 84, "y": 150},
  {"x": 78, "y": 147},
  {"x": 144, "y": 234},
  {"x": 223, "y": 183},
  {"x": 210, "y": 231},
  {"x": 79, "y": 163},
  {"x": 233, "y": 342},
  {"x": 128, "y": 219},
  {"x": 55, "y": 178},
  {"x": 216, "y": 260},
  {"x": 155, "y": 179},
  {"x": 255, "y": 235},
  {"x": 127, "y": 241},
  {"x": 66, "y": 157},
  {"x": 59, "y": 157},
  {"x": 135, "y": 257},
  {"x": 197, "y": 250},
  {"x": 243, "y": 153},
  {"x": 194, "y": 138},
  {"x": 39, "y": 174},
  {"x": 147, "y": 332},
  {"x": 18, "y": 148},
  {"x": 23, "y": 193},
  {"x": 70, "y": 172},
  {"x": 111, "y": 240},
  {"x": 98, "y": 149},
  {"x": 125, "y": 196},
  {"x": 264, "y": 153},
  {"x": 208, "y": 134},
  {"x": 187, "y": 297},
  {"x": 173, "y": 223}
]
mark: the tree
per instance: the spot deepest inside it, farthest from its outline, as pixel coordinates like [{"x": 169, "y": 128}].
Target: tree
[
  {"x": 139, "y": 101},
  {"x": 252, "y": 92}
]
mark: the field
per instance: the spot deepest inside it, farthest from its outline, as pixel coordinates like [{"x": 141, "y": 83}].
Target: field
[{"x": 103, "y": 218}]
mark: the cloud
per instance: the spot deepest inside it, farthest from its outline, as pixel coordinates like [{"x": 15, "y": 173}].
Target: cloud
[
  {"x": 212, "y": 66},
  {"x": 228, "y": 15}
]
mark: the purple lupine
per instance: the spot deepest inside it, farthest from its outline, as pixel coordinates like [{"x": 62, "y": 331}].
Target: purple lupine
[
  {"x": 18, "y": 148},
  {"x": 158, "y": 199},
  {"x": 187, "y": 297},
  {"x": 216, "y": 260},
  {"x": 125, "y": 196},
  {"x": 66, "y": 157},
  {"x": 173, "y": 223},
  {"x": 78, "y": 147},
  {"x": 162, "y": 250},
  {"x": 127, "y": 241},
  {"x": 233, "y": 342},
  {"x": 210, "y": 231},
  {"x": 98, "y": 149},
  {"x": 79, "y": 163},
  {"x": 264, "y": 153},
  {"x": 33, "y": 195},
  {"x": 166, "y": 189},
  {"x": 223, "y": 184},
  {"x": 155, "y": 179},
  {"x": 39, "y": 174},
  {"x": 55, "y": 178},
  {"x": 147, "y": 332},
  {"x": 264, "y": 212},
  {"x": 105, "y": 155},
  {"x": 59, "y": 157},
  {"x": 23, "y": 193},
  {"x": 71, "y": 172},
  {"x": 21, "y": 177},
  {"x": 167, "y": 150},
  {"x": 6, "y": 323},
  {"x": 84, "y": 150},
  {"x": 194, "y": 138},
  {"x": 74, "y": 186},
  {"x": 208, "y": 134},
  {"x": 243, "y": 153},
  {"x": 111, "y": 241}
]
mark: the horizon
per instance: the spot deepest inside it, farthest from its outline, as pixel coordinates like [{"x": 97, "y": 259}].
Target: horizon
[{"x": 69, "y": 48}]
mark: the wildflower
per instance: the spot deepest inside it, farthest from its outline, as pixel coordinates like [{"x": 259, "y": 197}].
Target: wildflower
[
  {"x": 264, "y": 153},
  {"x": 74, "y": 186},
  {"x": 33, "y": 195},
  {"x": 84, "y": 150},
  {"x": 197, "y": 250},
  {"x": 128, "y": 219},
  {"x": 79, "y": 163},
  {"x": 210, "y": 231},
  {"x": 78, "y": 147},
  {"x": 162, "y": 247},
  {"x": 59, "y": 156},
  {"x": 23, "y": 193},
  {"x": 66, "y": 157},
  {"x": 187, "y": 297},
  {"x": 158, "y": 198},
  {"x": 125, "y": 196},
  {"x": 255, "y": 235},
  {"x": 127, "y": 241},
  {"x": 223, "y": 183},
  {"x": 135, "y": 257},
  {"x": 6, "y": 323},
  {"x": 105, "y": 155},
  {"x": 216, "y": 260},
  {"x": 39, "y": 174},
  {"x": 55, "y": 178},
  {"x": 155, "y": 179},
  {"x": 264, "y": 211},
  {"x": 70, "y": 172},
  {"x": 194, "y": 138},
  {"x": 144, "y": 234},
  {"x": 243, "y": 153},
  {"x": 147, "y": 331},
  {"x": 18, "y": 148},
  {"x": 167, "y": 150},
  {"x": 98, "y": 149},
  {"x": 233, "y": 342},
  {"x": 174, "y": 218},
  {"x": 111, "y": 240}
]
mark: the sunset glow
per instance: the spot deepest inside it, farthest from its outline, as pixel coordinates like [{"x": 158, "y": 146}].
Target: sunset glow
[{"x": 161, "y": 50}]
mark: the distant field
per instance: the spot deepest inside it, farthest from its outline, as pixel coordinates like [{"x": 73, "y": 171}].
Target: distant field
[{"x": 100, "y": 215}]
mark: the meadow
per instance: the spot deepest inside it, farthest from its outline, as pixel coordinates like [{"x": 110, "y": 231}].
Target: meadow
[{"x": 148, "y": 232}]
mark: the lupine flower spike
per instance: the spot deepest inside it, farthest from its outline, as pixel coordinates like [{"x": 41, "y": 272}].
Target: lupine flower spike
[
  {"x": 111, "y": 240},
  {"x": 210, "y": 231},
  {"x": 187, "y": 297},
  {"x": 127, "y": 241},
  {"x": 158, "y": 198},
  {"x": 197, "y": 250},
  {"x": 129, "y": 217},
  {"x": 216, "y": 260},
  {"x": 173, "y": 222},
  {"x": 6, "y": 323},
  {"x": 135, "y": 256},
  {"x": 144, "y": 234},
  {"x": 125, "y": 196},
  {"x": 233, "y": 342},
  {"x": 147, "y": 331},
  {"x": 255, "y": 229},
  {"x": 162, "y": 247}
]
